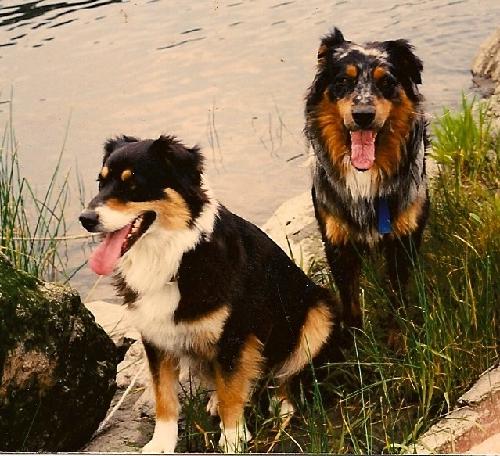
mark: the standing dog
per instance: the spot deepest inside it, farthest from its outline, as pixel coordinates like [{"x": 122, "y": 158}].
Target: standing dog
[
  {"x": 201, "y": 284},
  {"x": 365, "y": 123}
]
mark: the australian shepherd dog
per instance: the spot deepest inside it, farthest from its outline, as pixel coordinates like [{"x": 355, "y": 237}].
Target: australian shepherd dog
[
  {"x": 366, "y": 126},
  {"x": 202, "y": 285}
]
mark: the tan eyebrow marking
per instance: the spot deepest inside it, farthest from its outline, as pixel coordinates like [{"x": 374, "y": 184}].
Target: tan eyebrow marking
[
  {"x": 379, "y": 72},
  {"x": 127, "y": 174},
  {"x": 104, "y": 172},
  {"x": 351, "y": 71}
]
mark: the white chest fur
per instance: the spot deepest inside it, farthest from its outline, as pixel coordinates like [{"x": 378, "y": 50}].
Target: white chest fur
[{"x": 153, "y": 316}]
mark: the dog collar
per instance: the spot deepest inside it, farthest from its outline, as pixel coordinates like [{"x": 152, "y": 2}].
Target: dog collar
[{"x": 384, "y": 217}]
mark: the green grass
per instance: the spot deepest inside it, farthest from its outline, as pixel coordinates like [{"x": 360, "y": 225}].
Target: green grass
[
  {"x": 32, "y": 227},
  {"x": 380, "y": 401}
]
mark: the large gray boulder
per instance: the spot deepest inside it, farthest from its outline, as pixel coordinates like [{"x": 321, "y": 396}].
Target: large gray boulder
[{"x": 57, "y": 366}]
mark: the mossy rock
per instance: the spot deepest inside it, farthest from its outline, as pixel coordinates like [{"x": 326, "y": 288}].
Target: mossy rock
[{"x": 57, "y": 366}]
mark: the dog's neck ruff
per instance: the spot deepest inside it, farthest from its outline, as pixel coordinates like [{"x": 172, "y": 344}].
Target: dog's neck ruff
[{"x": 155, "y": 258}]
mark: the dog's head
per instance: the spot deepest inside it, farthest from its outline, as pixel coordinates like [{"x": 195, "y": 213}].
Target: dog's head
[
  {"x": 143, "y": 185},
  {"x": 363, "y": 100}
]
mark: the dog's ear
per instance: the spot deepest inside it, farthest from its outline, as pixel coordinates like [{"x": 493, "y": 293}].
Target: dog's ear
[
  {"x": 329, "y": 42},
  {"x": 407, "y": 66},
  {"x": 112, "y": 144},
  {"x": 182, "y": 159}
]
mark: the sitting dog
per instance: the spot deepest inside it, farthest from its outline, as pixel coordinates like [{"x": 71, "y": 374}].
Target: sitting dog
[
  {"x": 201, "y": 284},
  {"x": 366, "y": 126}
]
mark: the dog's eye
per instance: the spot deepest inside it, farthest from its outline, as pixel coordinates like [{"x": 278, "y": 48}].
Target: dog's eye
[
  {"x": 343, "y": 81},
  {"x": 387, "y": 85}
]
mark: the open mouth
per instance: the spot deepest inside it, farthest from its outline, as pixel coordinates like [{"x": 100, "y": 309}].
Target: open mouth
[
  {"x": 136, "y": 229},
  {"x": 362, "y": 146},
  {"x": 115, "y": 244}
]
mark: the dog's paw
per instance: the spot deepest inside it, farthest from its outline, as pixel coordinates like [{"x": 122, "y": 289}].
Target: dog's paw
[
  {"x": 158, "y": 446},
  {"x": 213, "y": 404},
  {"x": 164, "y": 438},
  {"x": 286, "y": 409},
  {"x": 283, "y": 408},
  {"x": 233, "y": 440}
]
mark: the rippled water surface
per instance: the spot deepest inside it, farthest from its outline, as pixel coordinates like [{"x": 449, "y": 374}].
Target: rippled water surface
[{"x": 230, "y": 76}]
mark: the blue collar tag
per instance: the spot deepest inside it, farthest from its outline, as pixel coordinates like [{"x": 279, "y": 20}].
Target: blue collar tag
[{"x": 384, "y": 217}]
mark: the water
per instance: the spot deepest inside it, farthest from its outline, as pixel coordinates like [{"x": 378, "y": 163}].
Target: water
[{"x": 229, "y": 76}]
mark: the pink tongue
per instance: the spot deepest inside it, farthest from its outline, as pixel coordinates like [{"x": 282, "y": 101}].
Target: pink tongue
[
  {"x": 104, "y": 258},
  {"x": 362, "y": 148}
]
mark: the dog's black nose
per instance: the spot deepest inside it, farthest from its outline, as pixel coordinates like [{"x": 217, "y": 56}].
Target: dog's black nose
[
  {"x": 89, "y": 219},
  {"x": 363, "y": 116}
]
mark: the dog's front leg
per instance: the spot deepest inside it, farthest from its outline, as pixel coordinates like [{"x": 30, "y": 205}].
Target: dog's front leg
[
  {"x": 164, "y": 369},
  {"x": 345, "y": 266},
  {"x": 401, "y": 255},
  {"x": 234, "y": 380},
  {"x": 398, "y": 255}
]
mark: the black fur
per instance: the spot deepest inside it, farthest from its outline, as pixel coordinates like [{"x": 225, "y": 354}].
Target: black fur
[{"x": 269, "y": 295}]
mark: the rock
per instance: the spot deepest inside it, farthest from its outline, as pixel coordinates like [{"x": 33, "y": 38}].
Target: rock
[
  {"x": 113, "y": 318},
  {"x": 474, "y": 421},
  {"x": 487, "y": 61},
  {"x": 134, "y": 361},
  {"x": 294, "y": 228},
  {"x": 57, "y": 366},
  {"x": 486, "y": 73},
  {"x": 128, "y": 431}
]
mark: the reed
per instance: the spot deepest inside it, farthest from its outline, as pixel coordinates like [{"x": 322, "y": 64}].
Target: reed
[{"x": 32, "y": 226}]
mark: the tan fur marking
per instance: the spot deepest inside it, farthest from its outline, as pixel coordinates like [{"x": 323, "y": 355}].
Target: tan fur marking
[
  {"x": 330, "y": 123},
  {"x": 165, "y": 388},
  {"x": 345, "y": 109},
  {"x": 406, "y": 222},
  {"x": 382, "y": 110},
  {"x": 379, "y": 72},
  {"x": 126, "y": 174},
  {"x": 314, "y": 333},
  {"x": 394, "y": 133},
  {"x": 172, "y": 212},
  {"x": 233, "y": 389},
  {"x": 203, "y": 340},
  {"x": 336, "y": 229},
  {"x": 104, "y": 172},
  {"x": 351, "y": 71}
]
